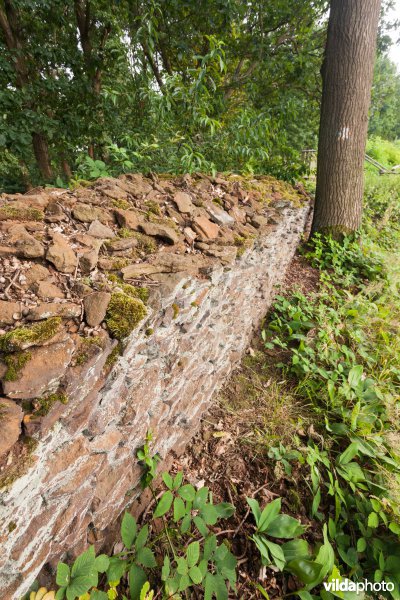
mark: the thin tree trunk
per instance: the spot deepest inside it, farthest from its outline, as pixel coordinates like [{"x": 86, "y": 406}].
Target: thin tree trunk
[
  {"x": 347, "y": 79},
  {"x": 41, "y": 151}
]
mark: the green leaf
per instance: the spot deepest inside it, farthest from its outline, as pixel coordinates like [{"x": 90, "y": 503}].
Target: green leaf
[
  {"x": 306, "y": 570},
  {"x": 63, "y": 574},
  {"x": 178, "y": 480},
  {"x": 187, "y": 492},
  {"x": 224, "y": 510},
  {"x": 167, "y": 479},
  {"x": 276, "y": 553},
  {"x": 116, "y": 569},
  {"x": 269, "y": 514},
  {"x": 98, "y": 595},
  {"x": 210, "y": 544},
  {"x": 284, "y": 526},
  {"x": 195, "y": 575},
  {"x": 295, "y": 549},
  {"x": 201, "y": 526},
  {"x": 164, "y": 504},
  {"x": 348, "y": 455},
  {"x": 80, "y": 585},
  {"x": 210, "y": 514},
  {"x": 185, "y": 525},
  {"x": 179, "y": 509},
  {"x": 166, "y": 568},
  {"x": 128, "y": 530},
  {"x": 361, "y": 545},
  {"x": 316, "y": 502},
  {"x": 102, "y": 563},
  {"x": 354, "y": 376},
  {"x": 193, "y": 554},
  {"x": 84, "y": 564},
  {"x": 373, "y": 520},
  {"x": 255, "y": 509},
  {"x": 137, "y": 579},
  {"x": 182, "y": 566},
  {"x": 142, "y": 537},
  {"x": 60, "y": 595},
  {"x": 145, "y": 557}
]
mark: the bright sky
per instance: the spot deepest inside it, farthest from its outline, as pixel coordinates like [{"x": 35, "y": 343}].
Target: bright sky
[{"x": 395, "y": 49}]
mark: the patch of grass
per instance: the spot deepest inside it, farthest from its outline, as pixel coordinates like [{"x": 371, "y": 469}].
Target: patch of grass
[{"x": 8, "y": 212}]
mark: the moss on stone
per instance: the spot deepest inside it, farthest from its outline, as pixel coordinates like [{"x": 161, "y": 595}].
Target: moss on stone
[
  {"x": 33, "y": 336},
  {"x": 44, "y": 405},
  {"x": 21, "y": 465},
  {"x": 21, "y": 213},
  {"x": 124, "y": 313},
  {"x": 15, "y": 362},
  {"x": 114, "y": 354},
  {"x": 176, "y": 309},
  {"x": 149, "y": 331},
  {"x": 153, "y": 208},
  {"x": 146, "y": 243},
  {"x": 120, "y": 203},
  {"x": 136, "y": 292},
  {"x": 124, "y": 232},
  {"x": 84, "y": 354},
  {"x": 11, "y": 526}
]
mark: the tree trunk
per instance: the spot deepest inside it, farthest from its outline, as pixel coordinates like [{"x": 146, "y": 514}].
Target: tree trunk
[
  {"x": 41, "y": 150},
  {"x": 347, "y": 79}
]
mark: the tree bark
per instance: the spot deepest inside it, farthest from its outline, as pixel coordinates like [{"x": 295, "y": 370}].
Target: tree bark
[
  {"x": 41, "y": 151},
  {"x": 14, "y": 41},
  {"x": 347, "y": 79}
]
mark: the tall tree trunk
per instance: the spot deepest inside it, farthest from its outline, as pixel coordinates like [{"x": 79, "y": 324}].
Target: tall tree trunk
[
  {"x": 41, "y": 151},
  {"x": 347, "y": 79}
]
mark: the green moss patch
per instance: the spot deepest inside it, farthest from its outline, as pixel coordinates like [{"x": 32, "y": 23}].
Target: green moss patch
[
  {"x": 35, "y": 335},
  {"x": 20, "y": 213},
  {"x": 124, "y": 313},
  {"x": 15, "y": 362},
  {"x": 44, "y": 405}
]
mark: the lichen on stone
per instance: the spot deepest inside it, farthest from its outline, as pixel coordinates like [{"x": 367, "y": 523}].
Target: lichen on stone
[
  {"x": 15, "y": 362},
  {"x": 124, "y": 314},
  {"x": 21, "y": 213},
  {"x": 34, "y": 335}
]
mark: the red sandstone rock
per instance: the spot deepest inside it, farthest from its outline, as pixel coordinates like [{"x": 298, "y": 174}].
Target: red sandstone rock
[
  {"x": 10, "y": 424},
  {"x": 47, "y": 290},
  {"x": 61, "y": 254},
  {"x": 205, "y": 227},
  {"x": 184, "y": 203},
  {"x": 7, "y": 310},
  {"x": 160, "y": 231},
  {"x": 96, "y": 305},
  {"x": 42, "y": 373},
  {"x": 127, "y": 218}
]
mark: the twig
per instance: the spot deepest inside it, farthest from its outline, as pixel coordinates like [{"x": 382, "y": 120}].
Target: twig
[{"x": 12, "y": 282}]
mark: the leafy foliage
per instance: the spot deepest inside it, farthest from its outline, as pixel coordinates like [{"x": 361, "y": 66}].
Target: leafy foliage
[{"x": 341, "y": 350}]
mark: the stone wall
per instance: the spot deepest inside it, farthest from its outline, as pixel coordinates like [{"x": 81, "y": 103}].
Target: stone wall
[{"x": 76, "y": 410}]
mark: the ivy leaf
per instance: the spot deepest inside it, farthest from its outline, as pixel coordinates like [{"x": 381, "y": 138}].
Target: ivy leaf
[
  {"x": 164, "y": 504},
  {"x": 128, "y": 530}
]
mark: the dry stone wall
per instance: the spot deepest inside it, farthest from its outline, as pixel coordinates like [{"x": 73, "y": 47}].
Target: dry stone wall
[{"x": 123, "y": 307}]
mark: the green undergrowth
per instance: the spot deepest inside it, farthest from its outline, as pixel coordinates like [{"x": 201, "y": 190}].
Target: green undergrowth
[{"x": 340, "y": 350}]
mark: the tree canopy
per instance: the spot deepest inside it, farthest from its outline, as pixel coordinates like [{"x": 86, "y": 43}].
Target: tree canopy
[{"x": 92, "y": 87}]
